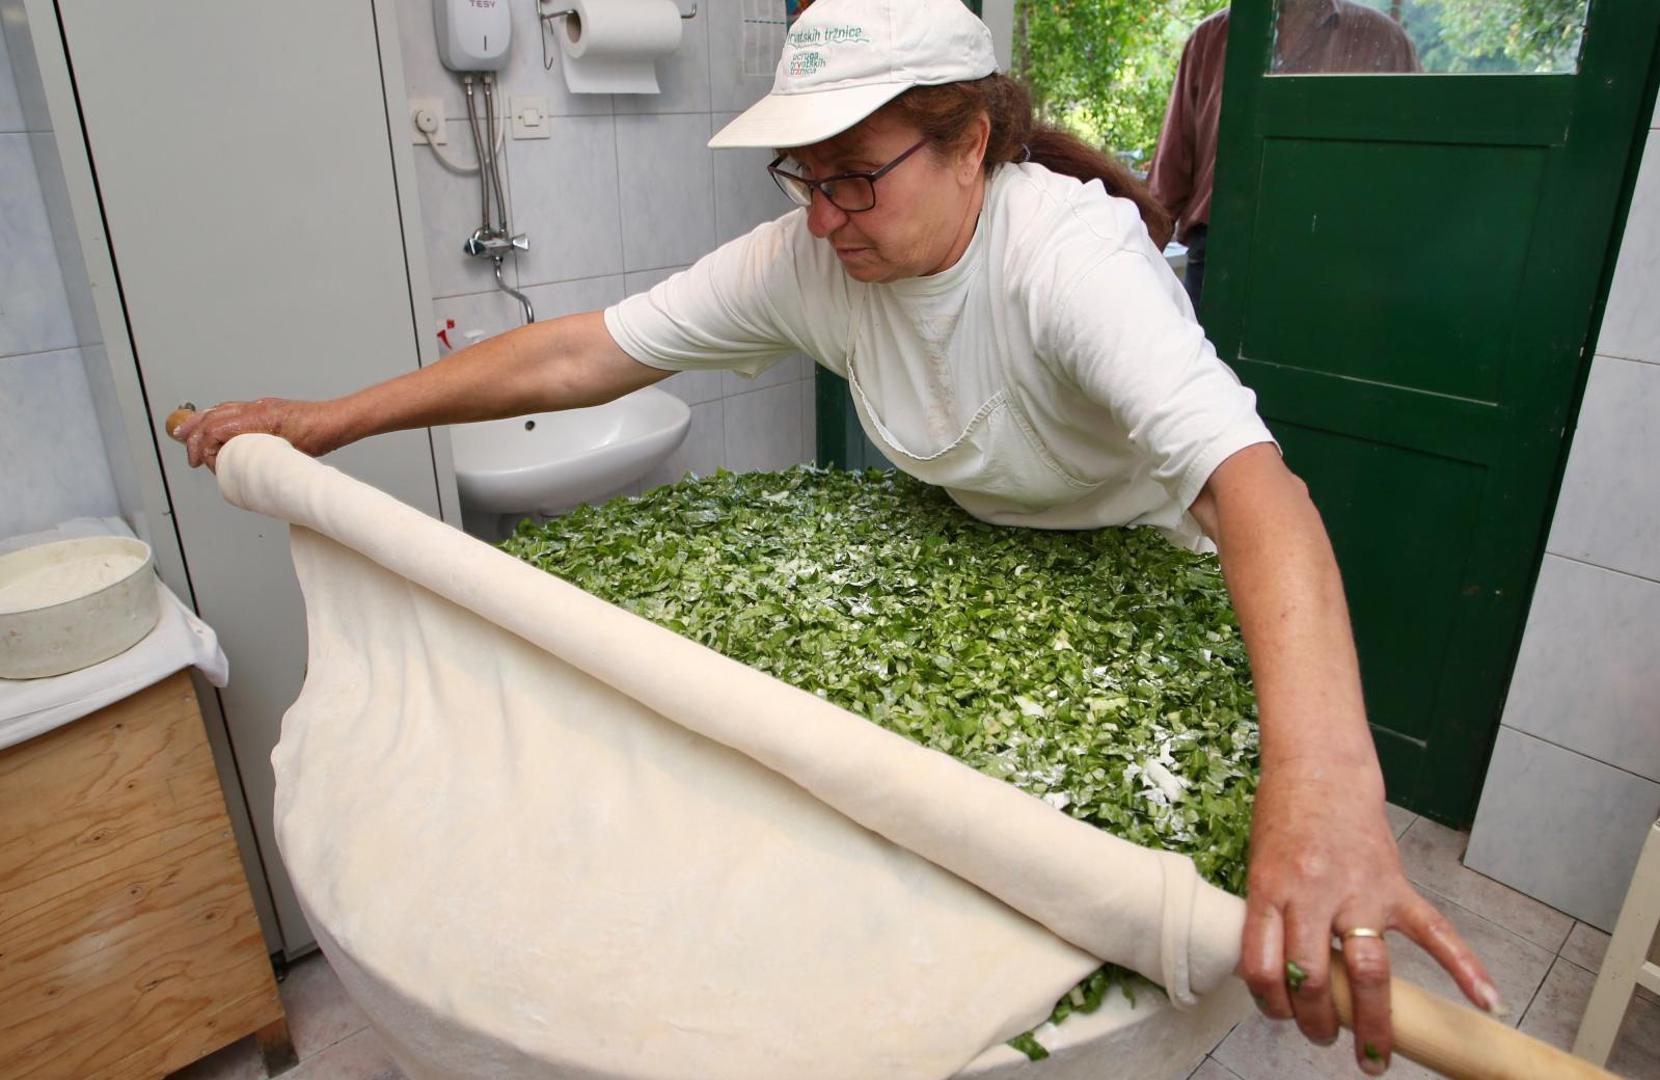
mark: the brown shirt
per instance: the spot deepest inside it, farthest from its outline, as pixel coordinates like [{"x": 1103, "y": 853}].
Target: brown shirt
[{"x": 1334, "y": 36}]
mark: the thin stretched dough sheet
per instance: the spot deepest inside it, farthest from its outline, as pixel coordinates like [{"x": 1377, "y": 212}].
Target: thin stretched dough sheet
[{"x": 589, "y": 844}]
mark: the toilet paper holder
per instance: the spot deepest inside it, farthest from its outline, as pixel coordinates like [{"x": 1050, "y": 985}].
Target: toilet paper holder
[
  {"x": 547, "y": 18},
  {"x": 546, "y": 15}
]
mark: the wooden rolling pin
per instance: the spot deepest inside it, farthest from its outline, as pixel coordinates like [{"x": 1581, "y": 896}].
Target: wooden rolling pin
[
  {"x": 176, "y": 418},
  {"x": 1458, "y": 1041},
  {"x": 1442, "y": 1035}
]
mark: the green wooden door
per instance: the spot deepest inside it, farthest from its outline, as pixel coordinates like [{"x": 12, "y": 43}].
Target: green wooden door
[{"x": 1405, "y": 267}]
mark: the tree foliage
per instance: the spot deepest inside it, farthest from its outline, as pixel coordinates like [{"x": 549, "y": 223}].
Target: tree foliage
[
  {"x": 1494, "y": 36},
  {"x": 1103, "y": 68}
]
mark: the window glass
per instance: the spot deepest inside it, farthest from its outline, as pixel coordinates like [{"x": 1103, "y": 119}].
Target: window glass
[{"x": 1466, "y": 37}]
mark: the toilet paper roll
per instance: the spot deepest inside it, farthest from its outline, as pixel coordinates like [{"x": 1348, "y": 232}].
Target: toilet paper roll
[{"x": 611, "y": 46}]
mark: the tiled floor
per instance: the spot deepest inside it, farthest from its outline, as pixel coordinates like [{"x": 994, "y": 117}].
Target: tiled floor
[{"x": 1542, "y": 961}]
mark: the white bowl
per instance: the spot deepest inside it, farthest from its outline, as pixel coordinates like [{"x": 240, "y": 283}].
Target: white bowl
[
  {"x": 70, "y": 604},
  {"x": 550, "y": 462}
]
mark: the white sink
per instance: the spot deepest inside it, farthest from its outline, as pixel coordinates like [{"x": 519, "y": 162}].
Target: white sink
[{"x": 547, "y": 463}]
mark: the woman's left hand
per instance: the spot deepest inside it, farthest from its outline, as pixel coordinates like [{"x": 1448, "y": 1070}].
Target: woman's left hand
[{"x": 1323, "y": 863}]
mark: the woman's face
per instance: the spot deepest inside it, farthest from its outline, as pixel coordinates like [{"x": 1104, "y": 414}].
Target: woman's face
[{"x": 926, "y": 207}]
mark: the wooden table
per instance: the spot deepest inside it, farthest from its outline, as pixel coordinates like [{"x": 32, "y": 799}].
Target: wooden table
[{"x": 129, "y": 946}]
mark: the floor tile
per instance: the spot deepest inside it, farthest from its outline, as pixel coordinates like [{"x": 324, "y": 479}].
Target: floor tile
[
  {"x": 319, "y": 1012},
  {"x": 1211, "y": 1069},
  {"x": 238, "y": 1061},
  {"x": 1399, "y": 818},
  {"x": 1264, "y": 1049},
  {"x": 359, "y": 1057},
  {"x": 1586, "y": 945},
  {"x": 1431, "y": 854},
  {"x": 1555, "y": 1014},
  {"x": 1517, "y": 965}
]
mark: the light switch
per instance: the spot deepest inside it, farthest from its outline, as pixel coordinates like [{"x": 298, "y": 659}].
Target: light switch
[{"x": 530, "y": 117}]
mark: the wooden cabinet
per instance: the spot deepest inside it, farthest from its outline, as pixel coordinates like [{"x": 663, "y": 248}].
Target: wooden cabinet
[{"x": 128, "y": 941}]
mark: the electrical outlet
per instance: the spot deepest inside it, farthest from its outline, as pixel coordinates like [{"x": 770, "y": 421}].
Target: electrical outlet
[
  {"x": 530, "y": 117},
  {"x": 427, "y": 115}
]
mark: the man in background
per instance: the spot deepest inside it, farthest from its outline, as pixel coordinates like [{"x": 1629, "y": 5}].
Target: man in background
[{"x": 1330, "y": 36}]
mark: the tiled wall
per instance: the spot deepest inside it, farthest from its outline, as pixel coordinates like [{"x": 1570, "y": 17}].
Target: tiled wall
[
  {"x": 54, "y": 465},
  {"x": 623, "y": 194},
  {"x": 1575, "y": 777}
]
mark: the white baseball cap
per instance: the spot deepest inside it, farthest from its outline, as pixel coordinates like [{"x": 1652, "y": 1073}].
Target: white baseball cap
[{"x": 844, "y": 59}]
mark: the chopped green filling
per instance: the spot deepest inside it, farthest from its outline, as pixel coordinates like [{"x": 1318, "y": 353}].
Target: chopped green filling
[
  {"x": 1101, "y": 671},
  {"x": 1029, "y": 1046}
]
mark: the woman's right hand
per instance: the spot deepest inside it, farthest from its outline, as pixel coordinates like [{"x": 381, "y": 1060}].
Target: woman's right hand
[{"x": 307, "y": 425}]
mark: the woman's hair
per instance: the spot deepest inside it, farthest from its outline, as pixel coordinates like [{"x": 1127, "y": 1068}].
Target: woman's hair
[{"x": 943, "y": 114}]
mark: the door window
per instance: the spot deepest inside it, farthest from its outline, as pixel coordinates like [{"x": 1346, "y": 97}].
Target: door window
[{"x": 1464, "y": 37}]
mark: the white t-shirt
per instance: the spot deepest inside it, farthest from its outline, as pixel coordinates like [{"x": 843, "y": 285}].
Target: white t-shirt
[{"x": 1054, "y": 377}]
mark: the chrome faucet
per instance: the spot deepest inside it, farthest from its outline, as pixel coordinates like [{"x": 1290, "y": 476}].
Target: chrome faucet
[{"x": 496, "y": 246}]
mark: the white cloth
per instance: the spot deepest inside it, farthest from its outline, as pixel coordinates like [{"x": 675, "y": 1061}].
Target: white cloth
[
  {"x": 31, "y": 707},
  {"x": 1060, "y": 350},
  {"x": 541, "y": 833}
]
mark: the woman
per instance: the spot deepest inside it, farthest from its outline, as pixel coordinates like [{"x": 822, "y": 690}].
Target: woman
[{"x": 1012, "y": 334}]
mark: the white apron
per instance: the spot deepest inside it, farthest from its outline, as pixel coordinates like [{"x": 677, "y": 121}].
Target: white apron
[{"x": 996, "y": 460}]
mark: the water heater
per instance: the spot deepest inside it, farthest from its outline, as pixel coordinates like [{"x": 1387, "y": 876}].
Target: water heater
[{"x": 472, "y": 34}]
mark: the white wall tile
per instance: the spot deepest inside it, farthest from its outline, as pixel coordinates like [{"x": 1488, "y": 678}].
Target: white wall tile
[
  {"x": 426, "y": 77},
  {"x": 527, "y": 71},
  {"x": 745, "y": 195},
  {"x": 702, "y": 452},
  {"x": 11, "y": 108},
  {"x": 682, "y": 76},
  {"x": 1631, "y": 323},
  {"x": 1561, "y": 827},
  {"x": 571, "y": 297},
  {"x": 486, "y": 314},
  {"x": 55, "y": 464},
  {"x": 667, "y": 181},
  {"x": 1608, "y": 512},
  {"x": 450, "y": 211},
  {"x": 637, "y": 281},
  {"x": 1586, "y": 677},
  {"x": 788, "y": 370},
  {"x": 694, "y": 387},
  {"x": 34, "y": 308},
  {"x": 730, "y": 89},
  {"x": 495, "y": 312},
  {"x": 763, "y": 428},
  {"x": 565, "y": 200}
]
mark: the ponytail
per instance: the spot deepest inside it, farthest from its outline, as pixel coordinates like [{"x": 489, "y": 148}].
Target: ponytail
[{"x": 943, "y": 114}]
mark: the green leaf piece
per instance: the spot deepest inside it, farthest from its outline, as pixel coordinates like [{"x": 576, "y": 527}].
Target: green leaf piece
[{"x": 1029, "y": 1046}]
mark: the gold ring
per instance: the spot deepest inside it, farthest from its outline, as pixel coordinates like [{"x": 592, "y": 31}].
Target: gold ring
[{"x": 1361, "y": 931}]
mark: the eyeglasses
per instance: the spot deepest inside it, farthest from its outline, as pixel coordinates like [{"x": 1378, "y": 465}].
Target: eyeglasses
[{"x": 852, "y": 192}]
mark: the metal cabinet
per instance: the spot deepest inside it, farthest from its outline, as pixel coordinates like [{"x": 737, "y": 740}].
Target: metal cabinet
[{"x": 250, "y": 228}]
